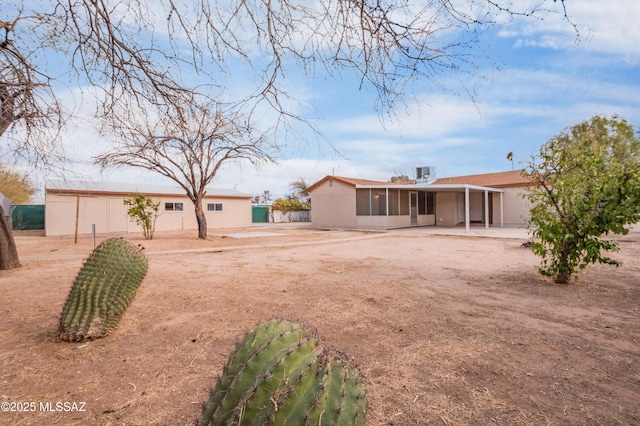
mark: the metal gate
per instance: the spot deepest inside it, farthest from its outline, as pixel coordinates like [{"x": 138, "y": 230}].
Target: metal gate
[
  {"x": 27, "y": 217},
  {"x": 260, "y": 214}
]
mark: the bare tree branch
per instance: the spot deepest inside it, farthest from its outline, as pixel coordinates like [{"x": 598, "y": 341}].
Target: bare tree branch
[
  {"x": 154, "y": 55},
  {"x": 187, "y": 146}
]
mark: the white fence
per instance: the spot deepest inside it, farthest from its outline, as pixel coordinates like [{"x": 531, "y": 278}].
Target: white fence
[{"x": 292, "y": 216}]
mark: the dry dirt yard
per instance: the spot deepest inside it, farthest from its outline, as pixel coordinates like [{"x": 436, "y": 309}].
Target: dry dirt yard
[{"x": 446, "y": 330}]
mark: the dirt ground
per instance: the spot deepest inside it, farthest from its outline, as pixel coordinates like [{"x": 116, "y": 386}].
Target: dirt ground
[{"x": 446, "y": 330}]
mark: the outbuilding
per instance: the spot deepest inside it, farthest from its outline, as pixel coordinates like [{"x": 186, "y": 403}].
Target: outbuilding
[
  {"x": 75, "y": 207},
  {"x": 486, "y": 199}
]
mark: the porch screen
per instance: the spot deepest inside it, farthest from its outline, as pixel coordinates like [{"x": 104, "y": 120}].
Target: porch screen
[
  {"x": 394, "y": 202},
  {"x": 404, "y": 202},
  {"x": 371, "y": 202},
  {"x": 363, "y": 206}
]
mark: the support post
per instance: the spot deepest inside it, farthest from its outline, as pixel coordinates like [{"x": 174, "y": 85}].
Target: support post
[
  {"x": 486, "y": 209},
  {"x": 467, "y": 225},
  {"x": 75, "y": 239},
  {"x": 501, "y": 209},
  {"x": 387, "y": 200}
]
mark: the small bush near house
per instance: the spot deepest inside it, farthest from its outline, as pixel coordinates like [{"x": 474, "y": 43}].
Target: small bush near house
[{"x": 144, "y": 211}]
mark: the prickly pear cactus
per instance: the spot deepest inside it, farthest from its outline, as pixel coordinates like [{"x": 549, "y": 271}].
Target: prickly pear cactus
[
  {"x": 281, "y": 375},
  {"x": 102, "y": 291}
]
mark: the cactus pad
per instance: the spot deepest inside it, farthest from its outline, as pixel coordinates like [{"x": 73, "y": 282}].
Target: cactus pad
[
  {"x": 102, "y": 290},
  {"x": 279, "y": 374}
]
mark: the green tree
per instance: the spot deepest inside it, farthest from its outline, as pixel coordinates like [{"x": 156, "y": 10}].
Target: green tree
[
  {"x": 587, "y": 185},
  {"x": 15, "y": 186},
  {"x": 289, "y": 205},
  {"x": 144, "y": 211}
]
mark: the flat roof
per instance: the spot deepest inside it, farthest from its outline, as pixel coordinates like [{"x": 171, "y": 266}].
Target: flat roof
[
  {"x": 61, "y": 186},
  {"x": 456, "y": 187}
]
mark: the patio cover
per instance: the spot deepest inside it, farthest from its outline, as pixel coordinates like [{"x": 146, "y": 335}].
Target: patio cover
[{"x": 454, "y": 187}]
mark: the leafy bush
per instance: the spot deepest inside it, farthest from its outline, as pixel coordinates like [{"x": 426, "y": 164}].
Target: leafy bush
[
  {"x": 144, "y": 211},
  {"x": 587, "y": 185},
  {"x": 289, "y": 205}
]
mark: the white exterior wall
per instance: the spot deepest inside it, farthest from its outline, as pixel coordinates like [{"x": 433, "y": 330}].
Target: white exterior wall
[{"x": 109, "y": 214}]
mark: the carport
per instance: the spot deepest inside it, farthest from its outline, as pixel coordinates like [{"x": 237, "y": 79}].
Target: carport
[{"x": 468, "y": 189}]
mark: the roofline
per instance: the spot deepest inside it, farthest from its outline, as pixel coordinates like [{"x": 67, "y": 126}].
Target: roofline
[
  {"x": 62, "y": 191},
  {"x": 442, "y": 186},
  {"x": 345, "y": 180}
]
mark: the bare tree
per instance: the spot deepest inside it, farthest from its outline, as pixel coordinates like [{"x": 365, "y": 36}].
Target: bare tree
[
  {"x": 30, "y": 114},
  {"x": 30, "y": 118},
  {"x": 300, "y": 190},
  {"x": 158, "y": 52},
  {"x": 142, "y": 50},
  {"x": 188, "y": 144}
]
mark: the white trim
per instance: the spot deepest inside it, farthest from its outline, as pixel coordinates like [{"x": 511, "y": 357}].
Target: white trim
[
  {"x": 467, "y": 222},
  {"x": 431, "y": 187},
  {"x": 486, "y": 209}
]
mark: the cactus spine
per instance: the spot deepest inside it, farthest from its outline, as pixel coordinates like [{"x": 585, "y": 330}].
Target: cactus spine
[
  {"x": 281, "y": 375},
  {"x": 102, "y": 290}
]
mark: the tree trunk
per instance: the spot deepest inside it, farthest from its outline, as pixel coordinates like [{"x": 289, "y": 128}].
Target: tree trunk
[
  {"x": 564, "y": 274},
  {"x": 201, "y": 219},
  {"x": 8, "y": 252}
]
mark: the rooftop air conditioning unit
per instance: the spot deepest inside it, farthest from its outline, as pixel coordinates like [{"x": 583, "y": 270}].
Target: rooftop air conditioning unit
[{"x": 425, "y": 174}]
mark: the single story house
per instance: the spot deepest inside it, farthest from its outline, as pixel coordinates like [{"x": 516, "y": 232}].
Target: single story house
[
  {"x": 72, "y": 207},
  {"x": 488, "y": 199}
]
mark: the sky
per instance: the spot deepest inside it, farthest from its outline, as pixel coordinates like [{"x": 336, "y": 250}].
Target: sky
[{"x": 543, "y": 80}]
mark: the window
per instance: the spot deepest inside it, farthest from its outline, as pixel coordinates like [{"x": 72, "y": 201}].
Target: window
[
  {"x": 173, "y": 207},
  {"x": 214, "y": 207}
]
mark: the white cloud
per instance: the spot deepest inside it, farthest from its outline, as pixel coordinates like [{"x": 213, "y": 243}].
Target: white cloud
[{"x": 608, "y": 27}]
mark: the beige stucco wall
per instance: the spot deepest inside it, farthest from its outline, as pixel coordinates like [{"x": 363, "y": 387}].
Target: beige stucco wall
[
  {"x": 450, "y": 207},
  {"x": 109, "y": 214},
  {"x": 516, "y": 208},
  {"x": 446, "y": 208},
  {"x": 333, "y": 205}
]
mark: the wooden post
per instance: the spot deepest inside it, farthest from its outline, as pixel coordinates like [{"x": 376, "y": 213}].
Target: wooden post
[{"x": 75, "y": 240}]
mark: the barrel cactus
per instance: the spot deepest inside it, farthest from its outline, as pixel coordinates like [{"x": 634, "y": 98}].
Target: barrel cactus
[
  {"x": 102, "y": 290},
  {"x": 279, "y": 374}
]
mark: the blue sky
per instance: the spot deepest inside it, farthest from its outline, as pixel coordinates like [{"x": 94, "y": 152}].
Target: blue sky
[{"x": 544, "y": 81}]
